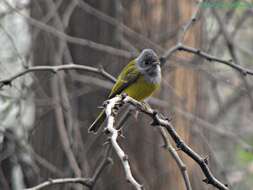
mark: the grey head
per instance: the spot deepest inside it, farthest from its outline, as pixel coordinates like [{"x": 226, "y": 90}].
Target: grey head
[{"x": 149, "y": 65}]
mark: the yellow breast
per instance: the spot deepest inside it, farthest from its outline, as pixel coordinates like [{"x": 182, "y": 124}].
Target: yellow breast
[{"x": 141, "y": 89}]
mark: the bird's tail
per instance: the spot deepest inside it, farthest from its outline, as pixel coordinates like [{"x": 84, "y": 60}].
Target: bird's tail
[{"x": 97, "y": 123}]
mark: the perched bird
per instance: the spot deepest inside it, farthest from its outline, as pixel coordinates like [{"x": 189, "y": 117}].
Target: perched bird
[{"x": 139, "y": 79}]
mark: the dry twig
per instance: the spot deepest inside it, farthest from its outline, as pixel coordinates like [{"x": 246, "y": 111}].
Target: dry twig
[
  {"x": 50, "y": 182},
  {"x": 88, "y": 182},
  {"x": 179, "y": 162},
  {"x": 208, "y": 57},
  {"x": 80, "y": 41},
  {"x": 55, "y": 69}
]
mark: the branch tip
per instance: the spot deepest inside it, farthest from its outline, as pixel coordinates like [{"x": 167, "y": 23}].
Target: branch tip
[
  {"x": 206, "y": 160},
  {"x": 101, "y": 68},
  {"x": 179, "y": 48},
  {"x": 162, "y": 60},
  {"x": 125, "y": 158},
  {"x": 206, "y": 181},
  {"x": 164, "y": 146},
  {"x": 109, "y": 160},
  {"x": 198, "y": 51},
  {"x": 180, "y": 144},
  {"x": 106, "y": 142},
  {"x": 155, "y": 121},
  {"x": 105, "y": 103},
  {"x": 89, "y": 182},
  {"x": 6, "y": 82},
  {"x": 120, "y": 132},
  {"x": 244, "y": 73},
  {"x": 169, "y": 119},
  {"x": 101, "y": 107},
  {"x": 107, "y": 132},
  {"x": 183, "y": 167}
]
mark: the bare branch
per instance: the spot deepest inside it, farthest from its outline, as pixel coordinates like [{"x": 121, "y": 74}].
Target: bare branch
[
  {"x": 71, "y": 39},
  {"x": 190, "y": 23},
  {"x": 232, "y": 50},
  {"x": 113, "y": 134},
  {"x": 105, "y": 162},
  {"x": 159, "y": 121},
  {"x": 181, "y": 47},
  {"x": 50, "y": 182},
  {"x": 216, "y": 129},
  {"x": 55, "y": 69},
  {"x": 46, "y": 164},
  {"x": 125, "y": 29},
  {"x": 15, "y": 48},
  {"x": 64, "y": 138},
  {"x": 88, "y": 182},
  {"x": 208, "y": 57},
  {"x": 176, "y": 157}
]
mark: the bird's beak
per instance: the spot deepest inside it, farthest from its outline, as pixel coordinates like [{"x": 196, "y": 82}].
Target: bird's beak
[{"x": 156, "y": 63}]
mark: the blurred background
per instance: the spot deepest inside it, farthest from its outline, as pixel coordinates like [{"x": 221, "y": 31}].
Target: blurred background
[{"x": 44, "y": 116}]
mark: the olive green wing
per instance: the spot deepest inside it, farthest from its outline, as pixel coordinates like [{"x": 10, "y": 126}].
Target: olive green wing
[{"x": 128, "y": 76}]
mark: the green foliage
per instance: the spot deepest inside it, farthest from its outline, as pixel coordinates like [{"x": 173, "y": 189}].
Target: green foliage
[{"x": 244, "y": 157}]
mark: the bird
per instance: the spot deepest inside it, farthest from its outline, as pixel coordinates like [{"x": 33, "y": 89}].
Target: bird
[{"x": 139, "y": 79}]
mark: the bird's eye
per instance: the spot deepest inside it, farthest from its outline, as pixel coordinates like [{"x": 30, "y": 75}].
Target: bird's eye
[{"x": 146, "y": 63}]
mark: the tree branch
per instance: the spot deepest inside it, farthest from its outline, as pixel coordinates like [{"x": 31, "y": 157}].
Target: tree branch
[
  {"x": 55, "y": 69},
  {"x": 159, "y": 121},
  {"x": 110, "y": 107},
  {"x": 88, "y": 182},
  {"x": 50, "y": 182},
  {"x": 176, "y": 157},
  {"x": 208, "y": 57},
  {"x": 181, "y": 47},
  {"x": 114, "y": 22},
  {"x": 71, "y": 39},
  {"x": 63, "y": 134},
  {"x": 190, "y": 23}
]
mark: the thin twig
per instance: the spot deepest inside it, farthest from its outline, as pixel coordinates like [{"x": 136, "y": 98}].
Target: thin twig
[
  {"x": 232, "y": 50},
  {"x": 55, "y": 69},
  {"x": 60, "y": 123},
  {"x": 190, "y": 23},
  {"x": 105, "y": 162},
  {"x": 114, "y": 22},
  {"x": 217, "y": 130},
  {"x": 181, "y": 47},
  {"x": 208, "y": 57},
  {"x": 176, "y": 157},
  {"x": 71, "y": 39},
  {"x": 46, "y": 164},
  {"x": 15, "y": 48},
  {"x": 88, "y": 182},
  {"x": 50, "y": 182}
]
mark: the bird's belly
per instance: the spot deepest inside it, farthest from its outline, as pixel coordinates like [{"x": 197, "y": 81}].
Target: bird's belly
[{"x": 141, "y": 89}]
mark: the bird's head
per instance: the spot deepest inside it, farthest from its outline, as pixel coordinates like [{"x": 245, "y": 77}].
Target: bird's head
[{"x": 148, "y": 62}]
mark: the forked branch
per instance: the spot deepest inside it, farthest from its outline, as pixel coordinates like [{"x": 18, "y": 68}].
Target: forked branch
[{"x": 158, "y": 120}]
